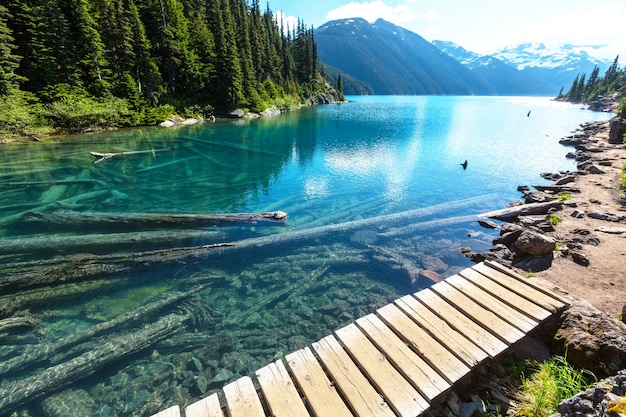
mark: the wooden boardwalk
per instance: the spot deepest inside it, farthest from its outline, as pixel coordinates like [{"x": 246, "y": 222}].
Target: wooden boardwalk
[{"x": 396, "y": 361}]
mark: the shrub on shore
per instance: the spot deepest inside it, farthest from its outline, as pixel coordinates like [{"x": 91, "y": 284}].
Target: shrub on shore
[{"x": 548, "y": 384}]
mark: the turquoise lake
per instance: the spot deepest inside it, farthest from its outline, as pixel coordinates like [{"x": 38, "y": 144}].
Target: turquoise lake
[{"x": 374, "y": 190}]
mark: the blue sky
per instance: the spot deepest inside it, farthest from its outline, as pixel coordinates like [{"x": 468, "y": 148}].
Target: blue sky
[{"x": 483, "y": 25}]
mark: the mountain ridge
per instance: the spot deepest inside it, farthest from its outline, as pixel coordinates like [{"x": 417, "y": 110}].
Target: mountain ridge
[{"x": 394, "y": 60}]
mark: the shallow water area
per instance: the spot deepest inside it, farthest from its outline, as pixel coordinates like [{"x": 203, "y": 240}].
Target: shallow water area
[{"x": 127, "y": 318}]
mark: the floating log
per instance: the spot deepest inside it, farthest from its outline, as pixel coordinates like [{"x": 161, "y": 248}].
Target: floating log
[
  {"x": 40, "y": 354},
  {"x": 511, "y": 213},
  {"x": 107, "y": 155},
  {"x": 52, "y": 379},
  {"x": 117, "y": 221}
]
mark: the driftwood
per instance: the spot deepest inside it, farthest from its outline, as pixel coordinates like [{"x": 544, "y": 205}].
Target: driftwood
[
  {"x": 117, "y": 221},
  {"x": 101, "y": 156},
  {"x": 557, "y": 188},
  {"x": 56, "y": 377},
  {"x": 512, "y": 213},
  {"x": 40, "y": 354}
]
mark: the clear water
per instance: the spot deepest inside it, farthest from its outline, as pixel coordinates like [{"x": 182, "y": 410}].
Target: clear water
[{"x": 384, "y": 170}]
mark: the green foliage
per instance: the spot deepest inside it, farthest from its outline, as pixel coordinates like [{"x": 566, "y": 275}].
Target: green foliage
[
  {"x": 79, "y": 114},
  {"x": 548, "y": 384},
  {"x": 21, "y": 116},
  {"x": 84, "y": 58},
  {"x": 565, "y": 196},
  {"x": 554, "y": 219},
  {"x": 585, "y": 90}
]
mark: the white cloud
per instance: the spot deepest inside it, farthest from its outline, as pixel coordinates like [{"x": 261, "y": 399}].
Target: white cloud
[
  {"x": 377, "y": 9},
  {"x": 289, "y": 22}
]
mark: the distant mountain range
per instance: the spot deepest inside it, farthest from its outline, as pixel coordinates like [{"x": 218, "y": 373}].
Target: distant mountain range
[
  {"x": 386, "y": 59},
  {"x": 393, "y": 60}
]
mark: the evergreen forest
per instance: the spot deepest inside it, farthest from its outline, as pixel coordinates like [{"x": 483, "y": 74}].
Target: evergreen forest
[
  {"x": 589, "y": 89},
  {"x": 76, "y": 65}
]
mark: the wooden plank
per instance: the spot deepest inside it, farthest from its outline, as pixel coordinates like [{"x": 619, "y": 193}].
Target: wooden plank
[
  {"x": 427, "y": 381},
  {"x": 242, "y": 399},
  {"x": 520, "y": 287},
  {"x": 441, "y": 359},
  {"x": 537, "y": 286},
  {"x": 207, "y": 407},
  {"x": 356, "y": 389},
  {"x": 400, "y": 394},
  {"x": 318, "y": 391},
  {"x": 478, "y": 313},
  {"x": 463, "y": 347},
  {"x": 463, "y": 324},
  {"x": 503, "y": 310},
  {"x": 279, "y": 391},
  {"x": 170, "y": 412},
  {"x": 506, "y": 295}
]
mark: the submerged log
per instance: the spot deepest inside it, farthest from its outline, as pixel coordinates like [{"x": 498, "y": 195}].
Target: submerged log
[
  {"x": 117, "y": 221},
  {"x": 135, "y": 261},
  {"x": 39, "y": 354},
  {"x": 511, "y": 213},
  {"x": 52, "y": 379},
  {"x": 106, "y": 242}
]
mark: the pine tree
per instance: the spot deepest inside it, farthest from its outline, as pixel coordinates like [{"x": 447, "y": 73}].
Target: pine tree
[
  {"x": 8, "y": 61},
  {"x": 228, "y": 87},
  {"x": 88, "y": 48},
  {"x": 144, "y": 68}
]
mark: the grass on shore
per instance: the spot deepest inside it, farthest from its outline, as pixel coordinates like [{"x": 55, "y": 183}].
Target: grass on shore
[{"x": 548, "y": 384}]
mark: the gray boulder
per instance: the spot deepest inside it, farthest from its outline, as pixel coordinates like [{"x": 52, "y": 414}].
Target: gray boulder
[
  {"x": 535, "y": 244},
  {"x": 591, "y": 339}
]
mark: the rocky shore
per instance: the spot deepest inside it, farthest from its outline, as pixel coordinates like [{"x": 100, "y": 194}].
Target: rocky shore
[{"x": 570, "y": 236}]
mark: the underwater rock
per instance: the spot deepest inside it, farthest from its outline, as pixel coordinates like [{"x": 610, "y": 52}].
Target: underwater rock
[
  {"x": 223, "y": 375},
  {"x": 68, "y": 403}
]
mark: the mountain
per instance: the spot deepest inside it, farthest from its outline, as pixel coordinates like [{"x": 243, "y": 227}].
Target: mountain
[
  {"x": 556, "y": 65},
  {"x": 393, "y": 60},
  {"x": 505, "y": 78}
]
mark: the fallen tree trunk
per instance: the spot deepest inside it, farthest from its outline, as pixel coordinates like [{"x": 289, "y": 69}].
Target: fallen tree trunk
[
  {"x": 18, "y": 322},
  {"x": 56, "y": 377},
  {"x": 106, "y": 242},
  {"x": 40, "y": 354},
  {"x": 117, "y": 221},
  {"x": 64, "y": 268},
  {"x": 511, "y": 213},
  {"x": 101, "y": 156}
]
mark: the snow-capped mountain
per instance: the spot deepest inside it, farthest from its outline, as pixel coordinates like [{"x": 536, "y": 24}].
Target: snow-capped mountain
[
  {"x": 558, "y": 65},
  {"x": 554, "y": 67},
  {"x": 539, "y": 55},
  {"x": 505, "y": 78}
]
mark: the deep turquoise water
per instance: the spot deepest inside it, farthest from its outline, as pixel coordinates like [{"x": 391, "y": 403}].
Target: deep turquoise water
[{"x": 329, "y": 165}]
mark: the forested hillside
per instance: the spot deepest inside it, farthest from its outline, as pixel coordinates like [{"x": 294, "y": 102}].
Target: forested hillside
[{"x": 79, "y": 64}]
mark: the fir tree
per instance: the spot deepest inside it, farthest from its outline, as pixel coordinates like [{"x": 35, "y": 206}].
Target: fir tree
[{"x": 8, "y": 61}]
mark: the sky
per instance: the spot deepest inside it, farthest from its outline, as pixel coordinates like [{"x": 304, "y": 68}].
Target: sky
[{"x": 482, "y": 26}]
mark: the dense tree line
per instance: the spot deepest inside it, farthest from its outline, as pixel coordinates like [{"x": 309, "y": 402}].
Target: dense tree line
[
  {"x": 585, "y": 90},
  {"x": 84, "y": 63}
]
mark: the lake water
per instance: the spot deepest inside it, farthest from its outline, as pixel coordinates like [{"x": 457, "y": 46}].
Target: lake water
[{"x": 374, "y": 191}]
